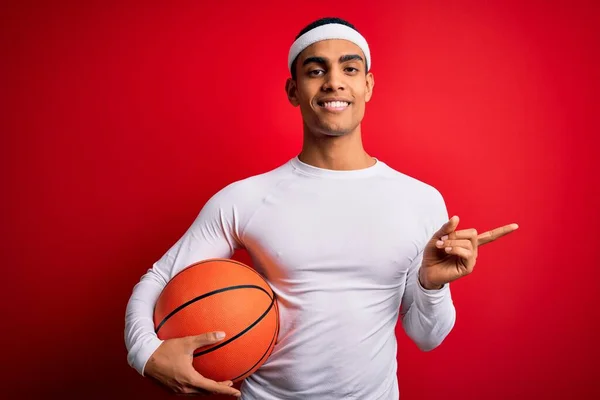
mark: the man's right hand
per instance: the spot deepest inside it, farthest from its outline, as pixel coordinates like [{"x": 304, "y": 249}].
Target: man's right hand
[{"x": 171, "y": 365}]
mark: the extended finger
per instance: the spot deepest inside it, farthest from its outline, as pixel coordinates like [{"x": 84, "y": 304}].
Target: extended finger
[
  {"x": 201, "y": 382},
  {"x": 194, "y": 391},
  {"x": 494, "y": 234},
  {"x": 204, "y": 339}
]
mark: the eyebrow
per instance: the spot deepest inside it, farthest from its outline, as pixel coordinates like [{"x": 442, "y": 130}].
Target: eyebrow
[{"x": 322, "y": 60}]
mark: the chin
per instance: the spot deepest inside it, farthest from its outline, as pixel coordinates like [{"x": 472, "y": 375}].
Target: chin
[
  {"x": 334, "y": 133},
  {"x": 329, "y": 130}
]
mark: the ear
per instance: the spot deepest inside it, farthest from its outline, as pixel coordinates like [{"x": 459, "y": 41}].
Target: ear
[
  {"x": 292, "y": 93},
  {"x": 370, "y": 84}
]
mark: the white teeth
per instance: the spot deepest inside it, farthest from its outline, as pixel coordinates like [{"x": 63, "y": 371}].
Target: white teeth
[{"x": 336, "y": 104}]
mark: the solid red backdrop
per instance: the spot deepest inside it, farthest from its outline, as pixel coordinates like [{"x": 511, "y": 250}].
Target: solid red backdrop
[{"x": 119, "y": 120}]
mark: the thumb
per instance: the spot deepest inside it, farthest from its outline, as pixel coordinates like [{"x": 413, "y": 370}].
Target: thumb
[
  {"x": 205, "y": 339},
  {"x": 448, "y": 227}
]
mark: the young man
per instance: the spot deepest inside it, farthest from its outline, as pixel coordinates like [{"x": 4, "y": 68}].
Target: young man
[{"x": 347, "y": 243}]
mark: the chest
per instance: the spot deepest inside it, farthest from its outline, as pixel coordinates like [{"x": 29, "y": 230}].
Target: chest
[{"x": 334, "y": 237}]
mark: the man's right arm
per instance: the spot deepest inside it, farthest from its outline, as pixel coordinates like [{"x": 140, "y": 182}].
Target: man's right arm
[
  {"x": 213, "y": 234},
  {"x": 140, "y": 339}
]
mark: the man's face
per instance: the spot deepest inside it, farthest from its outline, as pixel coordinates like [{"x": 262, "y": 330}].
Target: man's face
[{"x": 331, "y": 87}]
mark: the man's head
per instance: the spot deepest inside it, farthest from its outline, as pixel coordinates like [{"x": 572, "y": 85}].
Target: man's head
[{"x": 330, "y": 80}]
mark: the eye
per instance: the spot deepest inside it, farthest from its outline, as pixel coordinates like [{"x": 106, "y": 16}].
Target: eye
[
  {"x": 316, "y": 72},
  {"x": 351, "y": 70}
]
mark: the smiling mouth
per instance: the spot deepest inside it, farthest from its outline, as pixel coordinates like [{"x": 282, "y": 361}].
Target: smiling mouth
[{"x": 333, "y": 105}]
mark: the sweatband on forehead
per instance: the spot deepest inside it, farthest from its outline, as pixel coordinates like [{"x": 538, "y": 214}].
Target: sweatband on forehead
[{"x": 326, "y": 32}]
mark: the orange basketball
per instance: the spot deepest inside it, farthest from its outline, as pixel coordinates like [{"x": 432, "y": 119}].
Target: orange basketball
[{"x": 221, "y": 295}]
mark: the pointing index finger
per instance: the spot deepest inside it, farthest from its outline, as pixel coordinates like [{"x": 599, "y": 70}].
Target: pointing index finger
[{"x": 494, "y": 234}]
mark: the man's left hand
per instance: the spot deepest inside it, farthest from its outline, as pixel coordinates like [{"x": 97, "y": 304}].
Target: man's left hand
[{"x": 451, "y": 254}]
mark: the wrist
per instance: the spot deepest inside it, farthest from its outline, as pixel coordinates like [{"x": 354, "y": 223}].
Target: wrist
[{"x": 426, "y": 284}]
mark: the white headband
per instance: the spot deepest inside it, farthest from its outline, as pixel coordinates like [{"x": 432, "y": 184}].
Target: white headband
[{"x": 325, "y": 32}]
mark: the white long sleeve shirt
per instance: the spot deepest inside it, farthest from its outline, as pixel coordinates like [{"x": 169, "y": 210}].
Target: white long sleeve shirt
[{"x": 341, "y": 250}]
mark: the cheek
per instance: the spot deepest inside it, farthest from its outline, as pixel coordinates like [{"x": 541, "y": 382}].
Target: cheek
[
  {"x": 305, "y": 100},
  {"x": 360, "y": 97},
  {"x": 307, "y": 90}
]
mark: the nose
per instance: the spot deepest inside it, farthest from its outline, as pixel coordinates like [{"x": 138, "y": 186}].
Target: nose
[{"x": 334, "y": 80}]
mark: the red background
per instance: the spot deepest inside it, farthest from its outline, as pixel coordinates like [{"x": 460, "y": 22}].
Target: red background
[{"x": 119, "y": 120}]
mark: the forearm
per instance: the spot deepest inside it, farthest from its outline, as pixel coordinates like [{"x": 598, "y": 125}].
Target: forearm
[
  {"x": 430, "y": 317},
  {"x": 140, "y": 339}
]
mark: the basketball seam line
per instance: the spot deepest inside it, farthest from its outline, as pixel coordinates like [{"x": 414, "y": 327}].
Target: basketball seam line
[
  {"x": 242, "y": 332},
  {"x": 261, "y": 358},
  {"x": 195, "y": 299}
]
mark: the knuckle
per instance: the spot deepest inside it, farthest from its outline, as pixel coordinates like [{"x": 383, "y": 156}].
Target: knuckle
[
  {"x": 208, "y": 337},
  {"x": 189, "y": 379},
  {"x": 183, "y": 381},
  {"x": 203, "y": 339},
  {"x": 192, "y": 390},
  {"x": 189, "y": 341},
  {"x": 178, "y": 388}
]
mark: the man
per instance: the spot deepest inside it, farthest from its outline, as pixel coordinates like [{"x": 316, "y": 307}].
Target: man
[{"x": 347, "y": 243}]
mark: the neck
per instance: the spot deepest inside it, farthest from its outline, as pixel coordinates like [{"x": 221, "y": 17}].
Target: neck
[{"x": 341, "y": 153}]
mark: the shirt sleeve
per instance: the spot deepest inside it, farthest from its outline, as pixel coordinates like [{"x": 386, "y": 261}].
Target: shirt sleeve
[
  {"x": 213, "y": 234},
  {"x": 428, "y": 316}
]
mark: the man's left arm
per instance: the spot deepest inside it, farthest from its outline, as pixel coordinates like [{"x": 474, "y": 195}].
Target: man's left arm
[
  {"x": 428, "y": 315},
  {"x": 427, "y": 311}
]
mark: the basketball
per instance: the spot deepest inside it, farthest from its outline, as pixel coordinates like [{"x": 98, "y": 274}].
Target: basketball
[{"x": 221, "y": 295}]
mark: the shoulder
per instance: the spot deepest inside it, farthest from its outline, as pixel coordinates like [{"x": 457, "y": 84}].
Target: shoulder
[
  {"x": 417, "y": 189},
  {"x": 253, "y": 188},
  {"x": 422, "y": 198}
]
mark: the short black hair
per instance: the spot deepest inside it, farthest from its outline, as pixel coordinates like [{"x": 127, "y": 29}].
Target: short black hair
[{"x": 313, "y": 25}]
